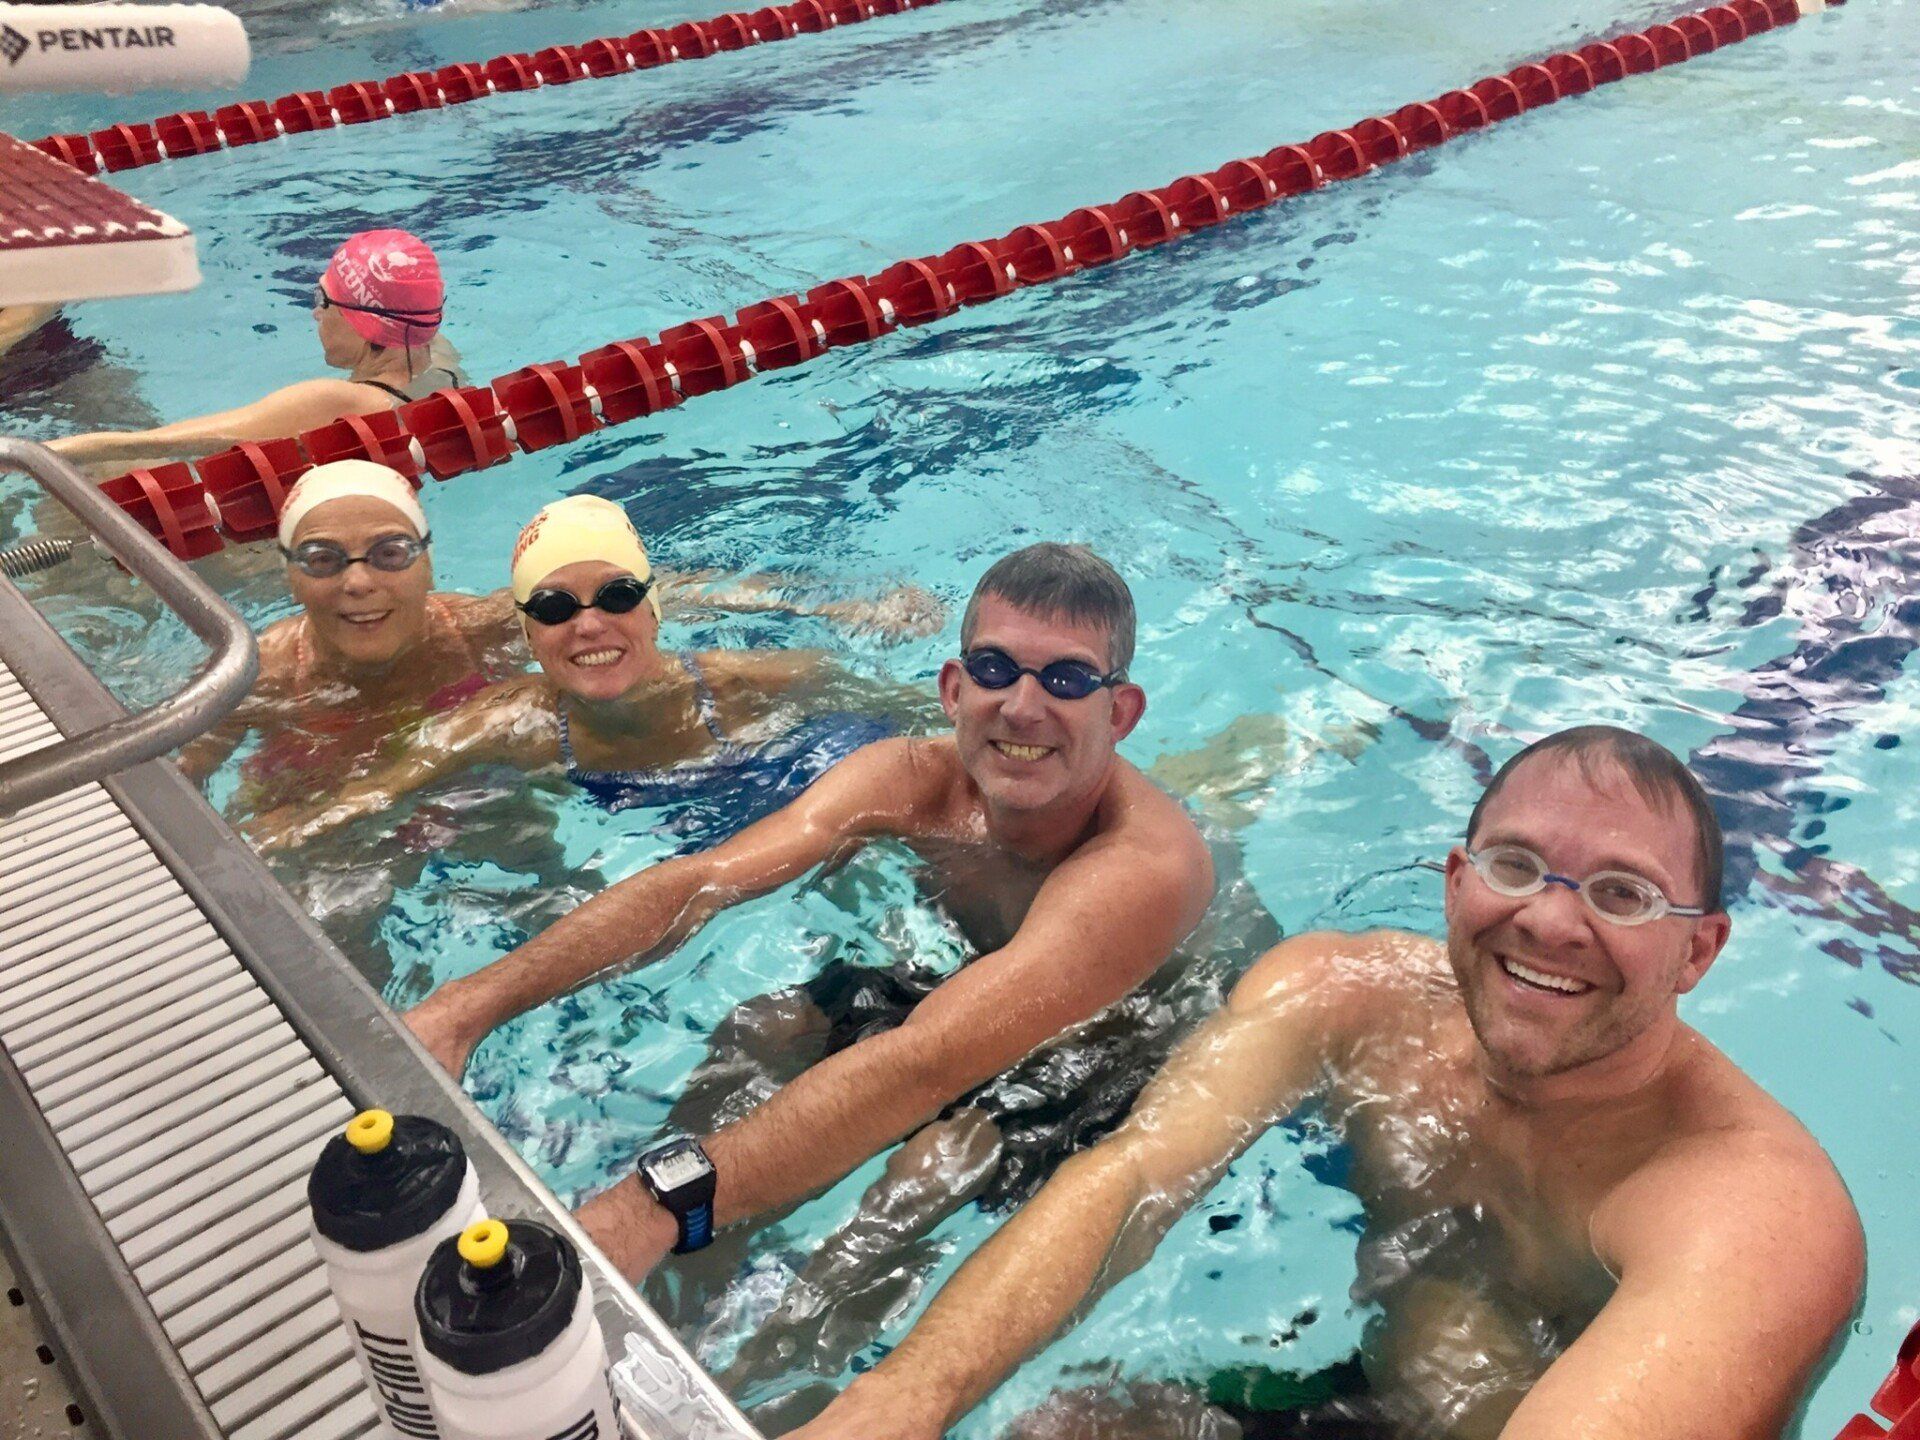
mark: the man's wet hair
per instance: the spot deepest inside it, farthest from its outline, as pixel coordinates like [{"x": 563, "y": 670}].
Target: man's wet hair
[
  {"x": 1066, "y": 582},
  {"x": 1659, "y": 776}
]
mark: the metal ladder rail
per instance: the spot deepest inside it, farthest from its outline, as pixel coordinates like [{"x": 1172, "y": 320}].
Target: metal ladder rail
[{"x": 181, "y": 1044}]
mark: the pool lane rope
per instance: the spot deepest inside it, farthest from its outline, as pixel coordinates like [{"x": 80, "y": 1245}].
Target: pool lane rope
[
  {"x": 248, "y": 122},
  {"x": 236, "y": 495}
]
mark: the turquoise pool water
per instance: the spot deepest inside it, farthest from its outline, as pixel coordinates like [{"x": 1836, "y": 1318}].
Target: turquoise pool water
[{"x": 1582, "y": 419}]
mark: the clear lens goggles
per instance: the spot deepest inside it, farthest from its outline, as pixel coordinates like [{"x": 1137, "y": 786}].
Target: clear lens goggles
[{"x": 1617, "y": 896}]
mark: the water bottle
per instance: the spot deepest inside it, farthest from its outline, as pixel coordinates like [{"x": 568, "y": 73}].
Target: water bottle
[
  {"x": 509, "y": 1346},
  {"x": 382, "y": 1195}
]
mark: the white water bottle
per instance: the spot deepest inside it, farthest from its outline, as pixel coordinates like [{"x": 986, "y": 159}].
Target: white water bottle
[
  {"x": 510, "y": 1349},
  {"x": 382, "y": 1195}
]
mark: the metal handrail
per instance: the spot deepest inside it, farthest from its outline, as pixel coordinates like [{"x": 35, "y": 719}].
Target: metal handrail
[{"x": 194, "y": 709}]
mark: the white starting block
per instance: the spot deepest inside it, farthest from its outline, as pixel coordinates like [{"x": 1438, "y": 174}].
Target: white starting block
[{"x": 65, "y": 236}]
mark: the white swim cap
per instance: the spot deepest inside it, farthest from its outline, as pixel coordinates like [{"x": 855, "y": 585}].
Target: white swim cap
[
  {"x": 580, "y": 527},
  {"x": 344, "y": 479}
]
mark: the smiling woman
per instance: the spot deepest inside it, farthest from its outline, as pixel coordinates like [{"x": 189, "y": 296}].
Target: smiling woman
[
  {"x": 633, "y": 725},
  {"x": 374, "y": 647}
]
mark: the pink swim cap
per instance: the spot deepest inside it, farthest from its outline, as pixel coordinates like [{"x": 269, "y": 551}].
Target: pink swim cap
[{"x": 387, "y": 285}]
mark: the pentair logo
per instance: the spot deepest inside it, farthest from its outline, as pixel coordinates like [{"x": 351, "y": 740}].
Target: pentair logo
[{"x": 13, "y": 44}]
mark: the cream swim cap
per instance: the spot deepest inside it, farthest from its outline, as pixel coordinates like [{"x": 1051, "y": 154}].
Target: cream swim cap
[
  {"x": 580, "y": 527},
  {"x": 343, "y": 479}
]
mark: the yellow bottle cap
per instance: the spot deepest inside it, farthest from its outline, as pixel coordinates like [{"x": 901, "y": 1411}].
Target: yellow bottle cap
[
  {"x": 483, "y": 1244},
  {"x": 370, "y": 1132}
]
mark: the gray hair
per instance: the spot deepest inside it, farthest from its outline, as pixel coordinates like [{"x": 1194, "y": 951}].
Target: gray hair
[{"x": 1067, "y": 582}]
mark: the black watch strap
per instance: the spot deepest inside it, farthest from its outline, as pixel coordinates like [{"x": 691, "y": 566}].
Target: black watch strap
[{"x": 679, "y": 1175}]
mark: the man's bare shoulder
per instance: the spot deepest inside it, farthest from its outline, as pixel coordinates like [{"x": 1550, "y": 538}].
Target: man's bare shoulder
[
  {"x": 909, "y": 786},
  {"x": 1137, "y": 811},
  {"x": 1365, "y": 981},
  {"x": 1737, "y": 1177}
]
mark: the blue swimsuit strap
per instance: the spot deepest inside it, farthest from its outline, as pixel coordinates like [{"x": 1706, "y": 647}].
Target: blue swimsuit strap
[{"x": 703, "y": 703}]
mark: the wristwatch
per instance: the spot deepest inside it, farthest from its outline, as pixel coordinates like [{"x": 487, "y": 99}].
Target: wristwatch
[{"x": 679, "y": 1175}]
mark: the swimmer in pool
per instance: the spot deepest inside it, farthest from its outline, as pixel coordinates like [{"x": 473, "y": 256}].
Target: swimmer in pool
[
  {"x": 376, "y": 648},
  {"x": 17, "y": 322},
  {"x": 632, "y": 725},
  {"x": 377, "y": 308},
  {"x": 1072, "y": 876},
  {"x": 1582, "y": 1218}
]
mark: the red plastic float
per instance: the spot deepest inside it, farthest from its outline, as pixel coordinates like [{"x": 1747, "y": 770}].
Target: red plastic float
[
  {"x": 1093, "y": 234},
  {"x": 1421, "y": 125},
  {"x": 122, "y": 147},
  {"x": 1535, "y": 85},
  {"x": 1500, "y": 96},
  {"x": 914, "y": 291},
  {"x": 1034, "y": 254},
  {"x": 973, "y": 272},
  {"x": 249, "y": 483},
  {"x": 1243, "y": 184},
  {"x": 358, "y": 102},
  {"x": 458, "y": 429},
  {"x": 379, "y": 437},
  {"x": 74, "y": 150},
  {"x": 170, "y": 502},
  {"x": 192, "y": 132},
  {"x": 1604, "y": 62},
  {"x": 506, "y": 73},
  {"x": 779, "y": 334},
  {"x": 410, "y": 93},
  {"x": 306, "y": 110},
  {"x": 549, "y": 404},
  {"x": 629, "y": 378},
  {"x": 1572, "y": 75},
  {"x": 460, "y": 83},
  {"x": 848, "y": 311},
  {"x": 1145, "y": 217},
  {"x": 705, "y": 355},
  {"x": 1379, "y": 139},
  {"x": 1897, "y": 1399},
  {"x": 1339, "y": 155}
]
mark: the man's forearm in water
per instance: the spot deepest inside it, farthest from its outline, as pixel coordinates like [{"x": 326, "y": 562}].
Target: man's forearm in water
[{"x": 639, "y": 918}]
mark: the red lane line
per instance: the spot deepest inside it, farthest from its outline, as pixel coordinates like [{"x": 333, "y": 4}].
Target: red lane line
[
  {"x": 537, "y": 406},
  {"x": 247, "y": 122}
]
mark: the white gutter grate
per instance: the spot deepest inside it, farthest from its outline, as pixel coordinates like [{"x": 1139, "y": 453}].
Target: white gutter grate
[{"x": 190, "y": 1108}]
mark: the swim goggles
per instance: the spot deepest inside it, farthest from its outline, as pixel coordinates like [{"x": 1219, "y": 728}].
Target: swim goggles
[
  {"x": 323, "y": 301},
  {"x": 322, "y": 559},
  {"x": 1617, "y": 896},
  {"x": 992, "y": 669},
  {"x": 618, "y": 596}
]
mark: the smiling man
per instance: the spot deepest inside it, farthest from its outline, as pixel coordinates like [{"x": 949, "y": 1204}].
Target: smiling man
[
  {"x": 1071, "y": 875},
  {"x": 1583, "y": 1221}
]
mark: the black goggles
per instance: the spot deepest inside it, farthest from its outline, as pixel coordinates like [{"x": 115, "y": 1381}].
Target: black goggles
[
  {"x": 619, "y": 596},
  {"x": 1063, "y": 679},
  {"x": 322, "y": 559},
  {"x": 324, "y": 301}
]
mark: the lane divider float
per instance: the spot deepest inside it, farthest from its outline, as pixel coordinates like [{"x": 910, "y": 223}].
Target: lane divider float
[
  {"x": 236, "y": 494},
  {"x": 1897, "y": 1399},
  {"x": 248, "y": 122}
]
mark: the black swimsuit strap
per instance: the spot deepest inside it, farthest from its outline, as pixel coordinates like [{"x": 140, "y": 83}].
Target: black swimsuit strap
[{"x": 393, "y": 390}]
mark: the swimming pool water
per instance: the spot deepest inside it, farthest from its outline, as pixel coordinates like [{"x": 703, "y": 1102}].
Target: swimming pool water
[{"x": 1516, "y": 434}]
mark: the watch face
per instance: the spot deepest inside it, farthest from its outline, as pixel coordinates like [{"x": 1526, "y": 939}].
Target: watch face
[{"x": 676, "y": 1168}]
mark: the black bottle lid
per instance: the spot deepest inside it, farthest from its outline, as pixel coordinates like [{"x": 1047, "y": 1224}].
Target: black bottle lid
[
  {"x": 388, "y": 1178},
  {"x": 496, "y": 1295}
]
